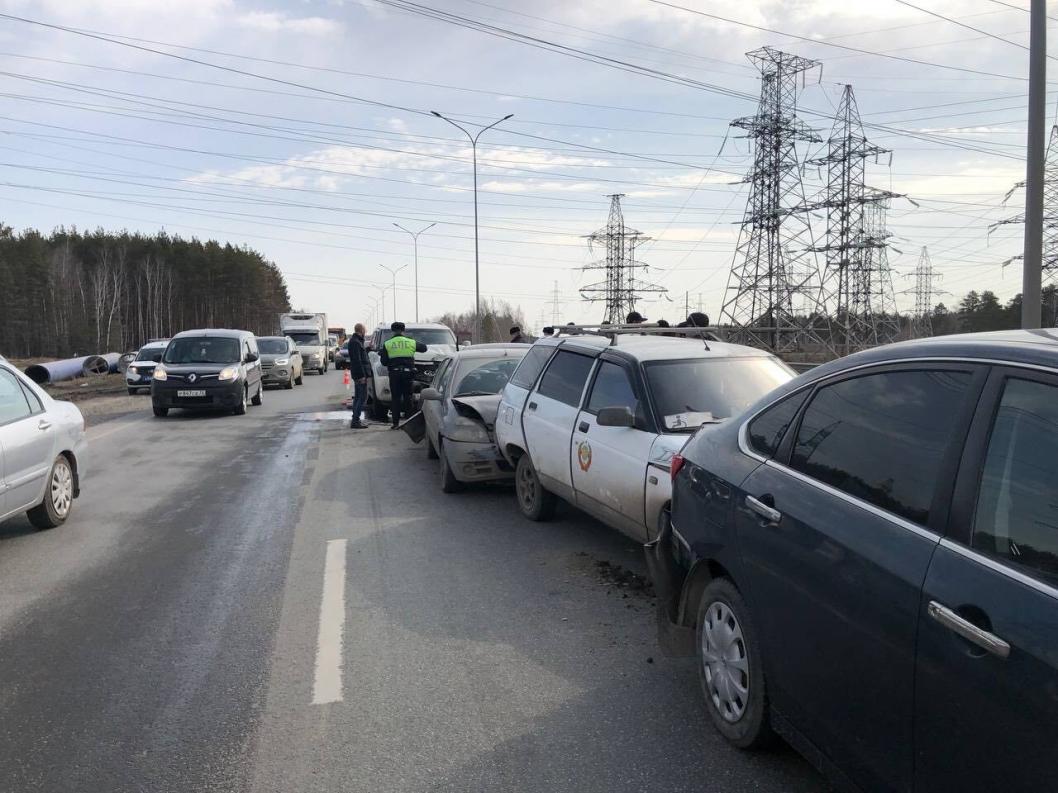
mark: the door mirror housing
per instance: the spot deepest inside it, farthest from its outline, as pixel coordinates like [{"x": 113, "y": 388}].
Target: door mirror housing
[
  {"x": 616, "y": 417},
  {"x": 430, "y": 394},
  {"x": 250, "y": 357}
]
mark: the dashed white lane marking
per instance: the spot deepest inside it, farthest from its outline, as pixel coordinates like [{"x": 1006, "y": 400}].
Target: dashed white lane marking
[{"x": 327, "y": 686}]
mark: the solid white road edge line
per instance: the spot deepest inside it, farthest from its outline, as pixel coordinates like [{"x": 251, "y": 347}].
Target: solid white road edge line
[{"x": 327, "y": 686}]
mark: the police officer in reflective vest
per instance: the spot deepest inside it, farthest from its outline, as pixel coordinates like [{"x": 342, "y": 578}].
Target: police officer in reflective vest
[{"x": 398, "y": 356}]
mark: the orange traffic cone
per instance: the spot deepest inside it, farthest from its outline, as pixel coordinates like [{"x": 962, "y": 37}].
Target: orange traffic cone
[{"x": 346, "y": 380}]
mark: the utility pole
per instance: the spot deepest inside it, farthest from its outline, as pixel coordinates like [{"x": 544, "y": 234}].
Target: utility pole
[
  {"x": 477, "y": 262},
  {"x": 415, "y": 240},
  {"x": 394, "y": 272},
  {"x": 1034, "y": 166},
  {"x": 555, "y": 304},
  {"x": 382, "y": 302}
]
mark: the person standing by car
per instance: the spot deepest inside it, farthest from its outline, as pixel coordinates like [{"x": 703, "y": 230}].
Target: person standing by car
[
  {"x": 359, "y": 371},
  {"x": 398, "y": 356},
  {"x": 516, "y": 336}
]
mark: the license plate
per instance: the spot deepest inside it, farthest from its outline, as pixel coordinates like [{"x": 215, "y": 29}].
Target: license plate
[{"x": 192, "y": 393}]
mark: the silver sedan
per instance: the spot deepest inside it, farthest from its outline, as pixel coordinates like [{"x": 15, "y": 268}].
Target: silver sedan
[
  {"x": 458, "y": 414},
  {"x": 42, "y": 451}
]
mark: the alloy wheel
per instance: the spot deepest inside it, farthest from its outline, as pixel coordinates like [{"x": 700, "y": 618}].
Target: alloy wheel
[{"x": 61, "y": 489}]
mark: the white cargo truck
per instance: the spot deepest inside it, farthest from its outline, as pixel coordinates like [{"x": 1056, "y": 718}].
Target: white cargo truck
[{"x": 309, "y": 332}]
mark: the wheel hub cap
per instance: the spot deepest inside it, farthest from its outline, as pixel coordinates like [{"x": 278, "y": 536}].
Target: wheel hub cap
[
  {"x": 725, "y": 662},
  {"x": 61, "y": 490}
]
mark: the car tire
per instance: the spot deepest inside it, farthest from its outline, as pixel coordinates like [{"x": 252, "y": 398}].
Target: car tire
[
  {"x": 731, "y": 668},
  {"x": 534, "y": 501},
  {"x": 449, "y": 483},
  {"x": 160, "y": 412},
  {"x": 58, "y": 497},
  {"x": 240, "y": 409},
  {"x": 379, "y": 412},
  {"x": 431, "y": 452},
  {"x": 259, "y": 396}
]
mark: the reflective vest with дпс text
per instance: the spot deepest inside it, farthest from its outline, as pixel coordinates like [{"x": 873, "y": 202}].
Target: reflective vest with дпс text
[{"x": 400, "y": 347}]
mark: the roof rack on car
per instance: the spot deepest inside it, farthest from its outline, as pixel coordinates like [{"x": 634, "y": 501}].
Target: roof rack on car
[{"x": 642, "y": 329}]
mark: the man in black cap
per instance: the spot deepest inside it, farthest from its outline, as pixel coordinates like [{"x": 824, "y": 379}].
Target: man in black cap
[
  {"x": 696, "y": 319},
  {"x": 549, "y": 332},
  {"x": 635, "y": 318},
  {"x": 516, "y": 336},
  {"x": 398, "y": 356}
]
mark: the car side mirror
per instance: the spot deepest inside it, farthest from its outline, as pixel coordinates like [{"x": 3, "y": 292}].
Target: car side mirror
[
  {"x": 428, "y": 394},
  {"x": 250, "y": 357},
  {"x": 616, "y": 417}
]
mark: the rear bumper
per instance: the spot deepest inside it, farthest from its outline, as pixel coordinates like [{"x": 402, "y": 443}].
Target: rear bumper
[
  {"x": 476, "y": 462},
  {"x": 218, "y": 396},
  {"x": 675, "y": 639}
]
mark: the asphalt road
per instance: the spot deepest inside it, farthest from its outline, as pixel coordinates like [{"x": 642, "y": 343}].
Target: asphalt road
[{"x": 276, "y": 603}]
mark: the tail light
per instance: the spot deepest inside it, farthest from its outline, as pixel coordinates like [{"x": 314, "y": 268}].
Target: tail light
[{"x": 677, "y": 463}]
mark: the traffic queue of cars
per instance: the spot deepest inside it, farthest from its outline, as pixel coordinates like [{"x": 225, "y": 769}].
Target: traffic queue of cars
[{"x": 863, "y": 559}]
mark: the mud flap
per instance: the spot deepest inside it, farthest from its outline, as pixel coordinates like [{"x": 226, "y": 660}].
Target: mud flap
[
  {"x": 674, "y": 639},
  {"x": 415, "y": 426}
]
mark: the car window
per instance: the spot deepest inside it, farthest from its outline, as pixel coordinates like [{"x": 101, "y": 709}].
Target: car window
[
  {"x": 766, "y": 431},
  {"x": 612, "y": 388},
  {"x": 482, "y": 376},
  {"x": 202, "y": 349},
  {"x": 1017, "y": 513},
  {"x": 150, "y": 354},
  {"x": 444, "y": 376},
  {"x": 13, "y": 404},
  {"x": 35, "y": 405},
  {"x": 565, "y": 377},
  {"x": 273, "y": 346},
  {"x": 882, "y": 437},
  {"x": 532, "y": 364}
]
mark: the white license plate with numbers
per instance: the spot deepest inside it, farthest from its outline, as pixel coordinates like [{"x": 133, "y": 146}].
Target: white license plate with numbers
[{"x": 191, "y": 393}]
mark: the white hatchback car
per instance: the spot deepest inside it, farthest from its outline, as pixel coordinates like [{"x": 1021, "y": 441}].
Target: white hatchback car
[{"x": 42, "y": 451}]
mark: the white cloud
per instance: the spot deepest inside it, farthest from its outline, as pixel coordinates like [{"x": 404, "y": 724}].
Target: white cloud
[{"x": 276, "y": 22}]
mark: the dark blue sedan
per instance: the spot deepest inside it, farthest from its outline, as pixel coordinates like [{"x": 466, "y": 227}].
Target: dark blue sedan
[{"x": 866, "y": 563}]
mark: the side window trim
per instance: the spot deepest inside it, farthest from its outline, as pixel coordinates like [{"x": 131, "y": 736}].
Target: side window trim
[
  {"x": 971, "y": 468},
  {"x": 941, "y": 501},
  {"x": 21, "y": 390},
  {"x": 584, "y": 386},
  {"x": 36, "y": 404},
  {"x": 586, "y": 396}
]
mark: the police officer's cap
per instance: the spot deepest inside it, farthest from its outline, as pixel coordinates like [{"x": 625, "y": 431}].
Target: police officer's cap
[{"x": 397, "y": 327}]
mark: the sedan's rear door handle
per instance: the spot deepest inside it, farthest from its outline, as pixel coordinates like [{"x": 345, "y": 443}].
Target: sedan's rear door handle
[
  {"x": 769, "y": 514},
  {"x": 532, "y": 406},
  {"x": 982, "y": 638},
  {"x": 583, "y": 426},
  {"x": 44, "y": 424}
]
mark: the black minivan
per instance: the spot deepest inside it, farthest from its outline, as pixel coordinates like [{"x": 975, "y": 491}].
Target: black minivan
[
  {"x": 866, "y": 563},
  {"x": 208, "y": 370}
]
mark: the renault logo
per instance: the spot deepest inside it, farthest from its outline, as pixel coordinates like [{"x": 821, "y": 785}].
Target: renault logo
[{"x": 192, "y": 377}]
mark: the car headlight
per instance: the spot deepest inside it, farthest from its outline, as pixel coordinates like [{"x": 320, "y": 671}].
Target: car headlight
[
  {"x": 468, "y": 431},
  {"x": 281, "y": 361},
  {"x": 133, "y": 370},
  {"x": 159, "y": 373},
  {"x": 229, "y": 373}
]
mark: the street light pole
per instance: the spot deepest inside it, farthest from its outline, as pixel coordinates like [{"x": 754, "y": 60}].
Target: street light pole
[
  {"x": 1034, "y": 167},
  {"x": 382, "y": 302},
  {"x": 477, "y": 264},
  {"x": 415, "y": 238},
  {"x": 393, "y": 272}
]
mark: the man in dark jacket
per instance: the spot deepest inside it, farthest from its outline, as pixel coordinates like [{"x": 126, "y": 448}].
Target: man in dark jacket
[
  {"x": 398, "y": 356},
  {"x": 359, "y": 371},
  {"x": 516, "y": 336}
]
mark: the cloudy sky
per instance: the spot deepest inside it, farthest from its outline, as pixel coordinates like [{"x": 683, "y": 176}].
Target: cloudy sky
[{"x": 302, "y": 128}]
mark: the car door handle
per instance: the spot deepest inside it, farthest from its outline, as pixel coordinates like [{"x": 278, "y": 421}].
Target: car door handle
[
  {"x": 982, "y": 638},
  {"x": 532, "y": 406},
  {"x": 583, "y": 426},
  {"x": 43, "y": 425},
  {"x": 769, "y": 514}
]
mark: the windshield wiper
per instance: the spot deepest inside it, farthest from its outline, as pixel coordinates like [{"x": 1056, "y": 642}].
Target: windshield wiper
[{"x": 477, "y": 393}]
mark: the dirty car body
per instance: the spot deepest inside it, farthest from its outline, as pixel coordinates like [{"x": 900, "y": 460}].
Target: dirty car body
[{"x": 459, "y": 413}]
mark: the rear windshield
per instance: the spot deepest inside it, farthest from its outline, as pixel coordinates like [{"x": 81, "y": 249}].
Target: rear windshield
[
  {"x": 150, "y": 354},
  {"x": 305, "y": 338},
  {"x": 479, "y": 376},
  {"x": 690, "y": 393},
  {"x": 202, "y": 349},
  {"x": 427, "y": 336},
  {"x": 272, "y": 346}
]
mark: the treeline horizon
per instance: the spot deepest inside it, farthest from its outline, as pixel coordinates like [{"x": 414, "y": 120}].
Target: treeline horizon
[{"x": 82, "y": 293}]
